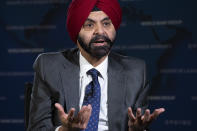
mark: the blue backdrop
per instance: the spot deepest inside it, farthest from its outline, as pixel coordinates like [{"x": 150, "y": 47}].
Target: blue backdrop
[{"x": 162, "y": 32}]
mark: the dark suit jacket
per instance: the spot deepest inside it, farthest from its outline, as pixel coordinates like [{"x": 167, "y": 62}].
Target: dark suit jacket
[{"x": 57, "y": 80}]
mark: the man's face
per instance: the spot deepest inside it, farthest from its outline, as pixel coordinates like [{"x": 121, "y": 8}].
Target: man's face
[{"x": 97, "y": 34}]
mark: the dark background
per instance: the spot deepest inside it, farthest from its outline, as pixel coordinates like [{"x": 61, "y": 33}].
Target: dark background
[{"x": 162, "y": 32}]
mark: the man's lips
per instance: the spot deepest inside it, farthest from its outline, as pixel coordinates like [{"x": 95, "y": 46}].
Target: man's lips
[{"x": 101, "y": 43}]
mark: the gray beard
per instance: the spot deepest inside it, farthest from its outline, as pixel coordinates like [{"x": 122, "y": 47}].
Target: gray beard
[{"x": 94, "y": 51}]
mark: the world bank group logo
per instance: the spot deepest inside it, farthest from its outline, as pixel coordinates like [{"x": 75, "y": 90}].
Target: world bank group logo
[
  {"x": 134, "y": 15},
  {"x": 187, "y": 123}
]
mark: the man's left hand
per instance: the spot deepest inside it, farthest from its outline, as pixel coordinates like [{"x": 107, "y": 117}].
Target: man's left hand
[{"x": 141, "y": 122}]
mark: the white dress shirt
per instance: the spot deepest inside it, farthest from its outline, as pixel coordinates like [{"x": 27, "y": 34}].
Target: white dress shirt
[{"x": 103, "y": 81}]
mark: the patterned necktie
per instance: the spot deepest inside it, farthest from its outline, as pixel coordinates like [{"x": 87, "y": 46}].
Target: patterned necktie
[{"x": 92, "y": 96}]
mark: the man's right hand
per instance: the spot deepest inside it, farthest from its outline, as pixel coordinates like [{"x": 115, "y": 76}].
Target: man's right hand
[{"x": 69, "y": 121}]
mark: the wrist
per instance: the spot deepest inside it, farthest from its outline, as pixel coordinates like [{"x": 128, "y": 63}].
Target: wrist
[{"x": 63, "y": 128}]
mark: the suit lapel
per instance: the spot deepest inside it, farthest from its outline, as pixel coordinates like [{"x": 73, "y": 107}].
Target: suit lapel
[
  {"x": 116, "y": 91},
  {"x": 70, "y": 81}
]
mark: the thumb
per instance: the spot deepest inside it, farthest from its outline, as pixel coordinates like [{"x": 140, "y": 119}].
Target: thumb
[{"x": 60, "y": 110}]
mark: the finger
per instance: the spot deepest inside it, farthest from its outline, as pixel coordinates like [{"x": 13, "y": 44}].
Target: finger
[
  {"x": 62, "y": 115},
  {"x": 79, "y": 118},
  {"x": 80, "y": 114},
  {"x": 146, "y": 116},
  {"x": 89, "y": 111},
  {"x": 138, "y": 115},
  {"x": 86, "y": 114},
  {"x": 70, "y": 117},
  {"x": 131, "y": 115},
  {"x": 81, "y": 121},
  {"x": 156, "y": 113},
  {"x": 59, "y": 107},
  {"x": 60, "y": 110}
]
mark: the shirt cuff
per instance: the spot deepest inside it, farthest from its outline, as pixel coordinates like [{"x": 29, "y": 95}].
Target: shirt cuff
[{"x": 57, "y": 129}]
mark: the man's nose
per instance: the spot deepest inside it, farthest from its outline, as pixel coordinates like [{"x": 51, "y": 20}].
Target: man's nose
[{"x": 99, "y": 29}]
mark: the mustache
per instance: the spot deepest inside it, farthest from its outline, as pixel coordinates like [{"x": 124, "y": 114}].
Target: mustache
[{"x": 99, "y": 37}]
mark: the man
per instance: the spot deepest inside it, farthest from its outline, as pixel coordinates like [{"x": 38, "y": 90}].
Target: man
[{"x": 90, "y": 88}]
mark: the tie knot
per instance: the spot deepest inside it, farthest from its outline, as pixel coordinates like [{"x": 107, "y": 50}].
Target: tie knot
[{"x": 93, "y": 72}]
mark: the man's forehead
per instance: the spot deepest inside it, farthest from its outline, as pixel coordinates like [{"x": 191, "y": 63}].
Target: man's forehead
[{"x": 97, "y": 15}]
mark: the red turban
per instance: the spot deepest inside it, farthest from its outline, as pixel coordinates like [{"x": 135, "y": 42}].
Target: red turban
[{"x": 79, "y": 11}]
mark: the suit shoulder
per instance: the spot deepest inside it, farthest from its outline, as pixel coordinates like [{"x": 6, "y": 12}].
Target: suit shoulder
[
  {"x": 55, "y": 59},
  {"x": 129, "y": 61},
  {"x": 55, "y": 56},
  {"x": 49, "y": 56}
]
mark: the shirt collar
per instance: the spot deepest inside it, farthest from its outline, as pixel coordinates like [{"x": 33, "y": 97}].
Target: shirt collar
[{"x": 86, "y": 66}]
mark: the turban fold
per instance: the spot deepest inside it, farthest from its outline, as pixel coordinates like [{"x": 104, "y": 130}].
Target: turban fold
[{"x": 79, "y": 11}]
